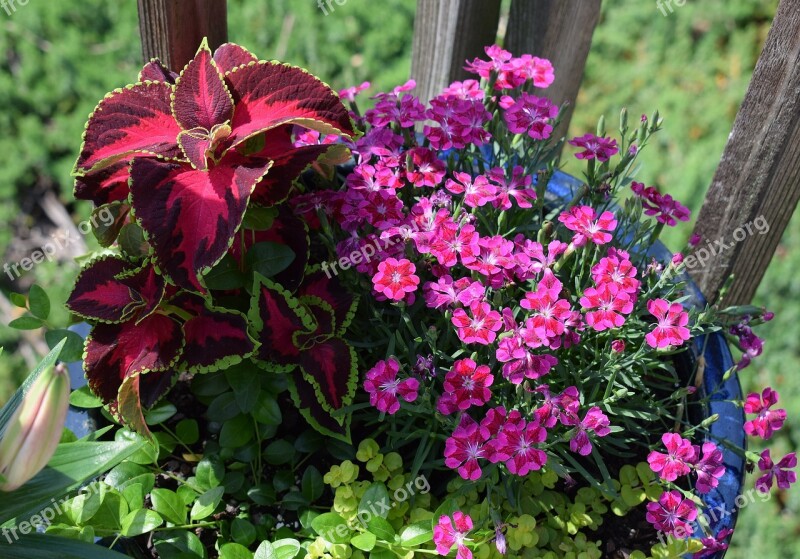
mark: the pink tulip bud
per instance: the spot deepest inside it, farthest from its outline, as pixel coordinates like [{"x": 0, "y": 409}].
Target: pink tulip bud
[{"x": 35, "y": 428}]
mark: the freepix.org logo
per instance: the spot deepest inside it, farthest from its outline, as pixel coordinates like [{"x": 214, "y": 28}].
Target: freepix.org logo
[{"x": 10, "y": 6}]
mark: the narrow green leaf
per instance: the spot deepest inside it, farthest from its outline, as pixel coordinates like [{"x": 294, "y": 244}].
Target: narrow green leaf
[
  {"x": 26, "y": 323},
  {"x": 40, "y": 546}
]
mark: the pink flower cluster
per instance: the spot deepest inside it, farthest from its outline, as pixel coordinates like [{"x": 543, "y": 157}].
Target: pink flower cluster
[
  {"x": 384, "y": 387},
  {"x": 682, "y": 458},
  {"x": 665, "y": 209},
  {"x": 767, "y": 420},
  {"x": 512, "y": 72}
]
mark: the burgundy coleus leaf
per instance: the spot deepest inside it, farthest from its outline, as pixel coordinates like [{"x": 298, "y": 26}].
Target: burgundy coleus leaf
[
  {"x": 324, "y": 319},
  {"x": 214, "y": 337},
  {"x": 117, "y": 352},
  {"x": 111, "y": 289},
  {"x": 304, "y": 395},
  {"x": 331, "y": 367},
  {"x": 332, "y": 292},
  {"x": 230, "y": 55},
  {"x": 155, "y": 71},
  {"x": 190, "y": 216},
  {"x": 278, "y": 318},
  {"x": 269, "y": 94},
  {"x": 109, "y": 184},
  {"x": 277, "y": 185},
  {"x": 137, "y": 119},
  {"x": 200, "y": 98}
]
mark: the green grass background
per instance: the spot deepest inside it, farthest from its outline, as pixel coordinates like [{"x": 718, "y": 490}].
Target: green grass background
[{"x": 57, "y": 59}]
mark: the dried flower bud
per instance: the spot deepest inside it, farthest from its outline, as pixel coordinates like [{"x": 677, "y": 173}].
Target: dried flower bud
[{"x": 33, "y": 432}]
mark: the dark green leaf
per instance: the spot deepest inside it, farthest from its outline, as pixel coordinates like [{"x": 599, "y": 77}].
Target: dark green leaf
[
  {"x": 312, "y": 484},
  {"x": 210, "y": 472},
  {"x": 234, "y": 551},
  {"x": 132, "y": 242},
  {"x": 19, "y": 300},
  {"x": 375, "y": 502},
  {"x": 236, "y": 432},
  {"x": 207, "y": 503},
  {"x": 267, "y": 410},
  {"x": 279, "y": 452},
  {"x": 140, "y": 522},
  {"x": 160, "y": 413},
  {"x": 169, "y": 505},
  {"x": 188, "y": 431},
  {"x": 84, "y": 398},
  {"x": 331, "y": 527},
  {"x": 39, "y": 302},
  {"x": 26, "y": 323},
  {"x": 259, "y": 219},
  {"x": 244, "y": 379},
  {"x": 381, "y": 528},
  {"x": 364, "y": 542},
  {"x": 268, "y": 258},
  {"x": 226, "y": 275},
  {"x": 73, "y": 348},
  {"x": 243, "y": 532}
]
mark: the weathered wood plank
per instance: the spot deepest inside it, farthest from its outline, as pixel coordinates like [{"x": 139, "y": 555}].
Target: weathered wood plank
[
  {"x": 759, "y": 174},
  {"x": 446, "y": 34},
  {"x": 171, "y": 30},
  {"x": 561, "y": 31}
]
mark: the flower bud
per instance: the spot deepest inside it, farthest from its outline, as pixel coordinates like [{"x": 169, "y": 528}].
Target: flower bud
[{"x": 33, "y": 432}]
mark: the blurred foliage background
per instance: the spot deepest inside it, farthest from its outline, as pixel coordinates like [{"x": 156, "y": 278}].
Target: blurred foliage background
[{"x": 57, "y": 59}]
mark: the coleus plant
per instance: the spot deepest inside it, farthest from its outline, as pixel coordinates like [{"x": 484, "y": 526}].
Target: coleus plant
[{"x": 197, "y": 168}]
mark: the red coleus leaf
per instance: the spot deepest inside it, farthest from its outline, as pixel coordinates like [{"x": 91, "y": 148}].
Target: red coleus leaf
[
  {"x": 297, "y": 333},
  {"x": 155, "y": 71},
  {"x": 332, "y": 292},
  {"x": 137, "y": 119},
  {"x": 200, "y": 98},
  {"x": 277, "y": 318},
  {"x": 115, "y": 352},
  {"x": 330, "y": 366},
  {"x": 230, "y": 55},
  {"x": 289, "y": 164},
  {"x": 111, "y": 289},
  {"x": 215, "y": 337},
  {"x": 106, "y": 185},
  {"x": 304, "y": 395},
  {"x": 190, "y": 216},
  {"x": 268, "y": 94}
]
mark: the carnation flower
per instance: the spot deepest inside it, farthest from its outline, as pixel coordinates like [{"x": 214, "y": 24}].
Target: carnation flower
[
  {"x": 587, "y": 226},
  {"x": 595, "y": 147},
  {"x": 395, "y": 278},
  {"x": 481, "y": 327},
  {"x": 611, "y": 303},
  {"x": 782, "y": 471},
  {"x": 594, "y": 421},
  {"x": 516, "y": 447},
  {"x": 672, "y": 514},
  {"x": 463, "y": 449},
  {"x": 446, "y": 535},
  {"x": 531, "y": 115},
  {"x": 767, "y": 421},
  {"x": 383, "y": 386},
  {"x": 709, "y": 468},
  {"x": 681, "y": 455},
  {"x": 466, "y": 384},
  {"x": 671, "y": 328}
]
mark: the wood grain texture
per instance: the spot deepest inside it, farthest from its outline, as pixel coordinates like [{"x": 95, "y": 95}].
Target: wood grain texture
[
  {"x": 172, "y": 30},
  {"x": 561, "y": 31},
  {"x": 446, "y": 34},
  {"x": 759, "y": 174}
]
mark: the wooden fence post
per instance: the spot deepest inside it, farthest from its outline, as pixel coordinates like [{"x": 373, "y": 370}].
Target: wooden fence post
[
  {"x": 171, "y": 30},
  {"x": 759, "y": 174},
  {"x": 446, "y": 34},
  {"x": 561, "y": 31}
]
